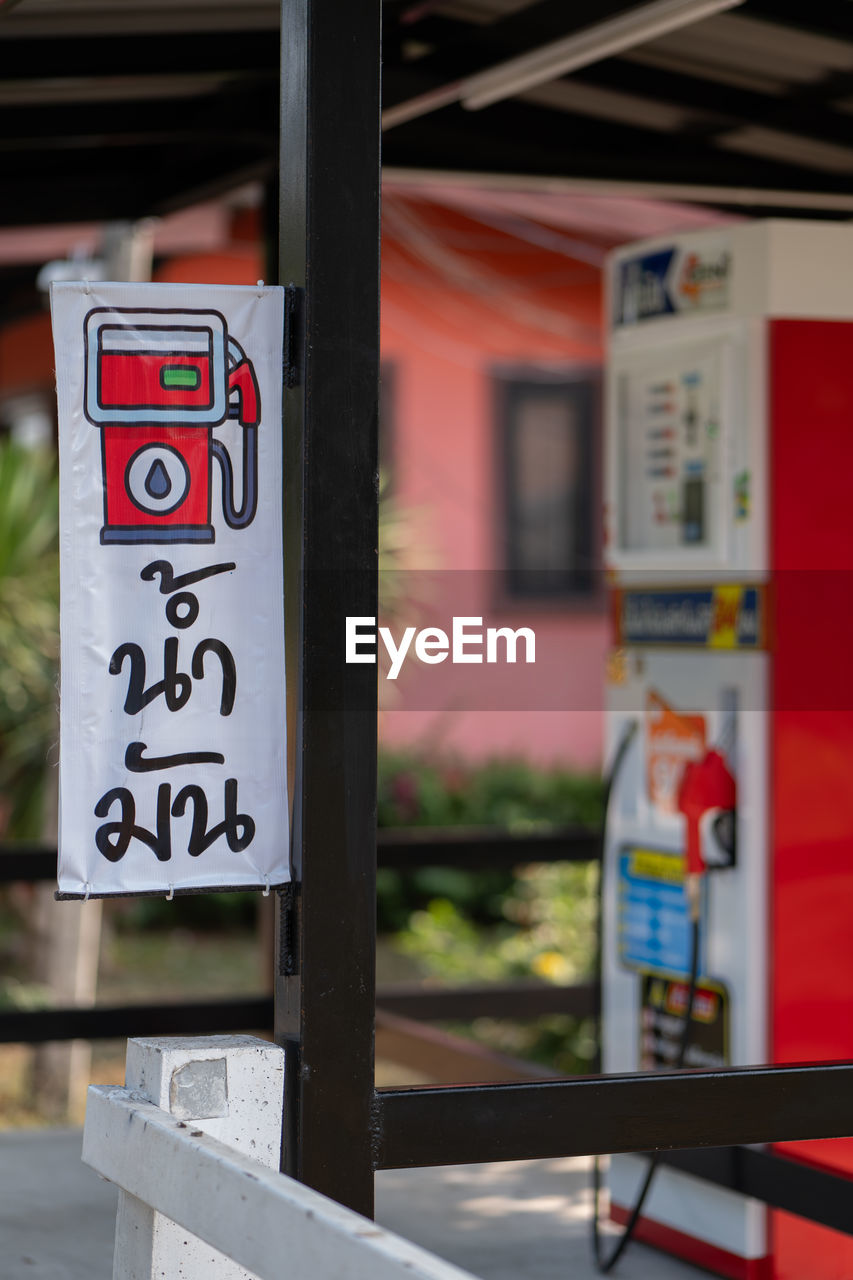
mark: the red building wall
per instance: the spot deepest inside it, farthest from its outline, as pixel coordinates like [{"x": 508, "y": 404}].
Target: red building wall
[{"x": 464, "y": 303}]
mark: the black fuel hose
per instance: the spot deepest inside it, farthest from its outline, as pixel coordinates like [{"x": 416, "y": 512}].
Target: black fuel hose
[
  {"x": 604, "y": 1262},
  {"x": 239, "y": 518}
]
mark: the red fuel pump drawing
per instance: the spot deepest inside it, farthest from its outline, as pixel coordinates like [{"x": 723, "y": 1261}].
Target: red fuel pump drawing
[{"x": 157, "y": 382}]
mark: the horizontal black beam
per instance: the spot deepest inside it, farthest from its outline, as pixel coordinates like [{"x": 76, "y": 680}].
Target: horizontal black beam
[
  {"x": 399, "y": 848},
  {"x": 478, "y": 848},
  {"x": 164, "y": 167},
  {"x": 44, "y": 188},
  {"x": 819, "y": 17},
  {"x": 819, "y": 1195},
  {"x": 113, "y": 194},
  {"x": 597, "y": 1115},
  {"x": 519, "y": 1000},
  {"x": 778, "y": 210},
  {"x": 80, "y": 178},
  {"x": 246, "y": 115},
  {"x": 35, "y": 1026},
  {"x": 516, "y": 137},
  {"x": 106, "y": 1022},
  {"x": 462, "y": 48},
  {"x": 719, "y": 108},
  {"x": 27, "y": 863},
  {"x": 88, "y": 56}
]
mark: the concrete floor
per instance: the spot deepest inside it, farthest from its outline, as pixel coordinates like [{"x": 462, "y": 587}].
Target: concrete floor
[{"x": 526, "y": 1220}]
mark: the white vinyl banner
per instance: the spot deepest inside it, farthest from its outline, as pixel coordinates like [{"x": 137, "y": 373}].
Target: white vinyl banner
[{"x": 172, "y": 737}]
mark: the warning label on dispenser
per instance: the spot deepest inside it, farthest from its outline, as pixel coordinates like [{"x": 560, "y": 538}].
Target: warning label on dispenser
[
  {"x": 673, "y": 739},
  {"x": 663, "y": 1005},
  {"x": 654, "y": 921}
]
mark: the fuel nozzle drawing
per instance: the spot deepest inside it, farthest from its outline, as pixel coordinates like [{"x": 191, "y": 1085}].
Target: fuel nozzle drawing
[{"x": 157, "y": 382}]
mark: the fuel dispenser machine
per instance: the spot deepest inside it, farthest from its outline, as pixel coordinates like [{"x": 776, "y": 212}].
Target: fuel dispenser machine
[{"x": 728, "y": 518}]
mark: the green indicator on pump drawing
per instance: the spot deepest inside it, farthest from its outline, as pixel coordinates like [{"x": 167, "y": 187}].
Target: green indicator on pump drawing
[{"x": 180, "y": 377}]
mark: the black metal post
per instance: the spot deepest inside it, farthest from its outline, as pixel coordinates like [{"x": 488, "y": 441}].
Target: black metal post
[{"x": 329, "y": 250}]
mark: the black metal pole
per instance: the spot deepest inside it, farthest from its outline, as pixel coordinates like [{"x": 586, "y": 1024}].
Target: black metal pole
[{"x": 329, "y": 250}]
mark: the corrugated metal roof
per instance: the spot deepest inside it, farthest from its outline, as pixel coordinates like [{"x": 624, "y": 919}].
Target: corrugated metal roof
[{"x": 788, "y": 54}]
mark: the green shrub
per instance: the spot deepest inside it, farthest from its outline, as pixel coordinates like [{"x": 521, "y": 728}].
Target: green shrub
[
  {"x": 200, "y": 912},
  {"x": 423, "y": 791},
  {"x": 492, "y": 926},
  {"x": 29, "y": 631}
]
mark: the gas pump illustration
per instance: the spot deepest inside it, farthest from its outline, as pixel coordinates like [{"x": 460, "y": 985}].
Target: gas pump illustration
[{"x": 157, "y": 383}]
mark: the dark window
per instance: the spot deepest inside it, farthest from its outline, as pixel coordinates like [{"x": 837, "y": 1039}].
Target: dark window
[{"x": 549, "y": 488}]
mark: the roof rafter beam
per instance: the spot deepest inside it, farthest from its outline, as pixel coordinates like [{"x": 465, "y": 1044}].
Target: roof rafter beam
[
  {"x": 92, "y": 192},
  {"x": 229, "y": 52},
  {"x": 461, "y": 48},
  {"x": 721, "y": 108},
  {"x": 521, "y": 139},
  {"x": 741, "y": 199},
  {"x": 826, "y": 17},
  {"x": 579, "y": 45},
  {"x": 223, "y": 118}
]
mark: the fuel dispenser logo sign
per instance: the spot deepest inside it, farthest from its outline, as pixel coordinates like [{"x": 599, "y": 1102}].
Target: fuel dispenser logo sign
[
  {"x": 157, "y": 383},
  {"x": 693, "y": 275}
]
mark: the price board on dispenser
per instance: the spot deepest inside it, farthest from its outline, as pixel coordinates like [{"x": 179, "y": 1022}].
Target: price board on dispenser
[
  {"x": 669, "y": 442},
  {"x": 685, "y": 476}
]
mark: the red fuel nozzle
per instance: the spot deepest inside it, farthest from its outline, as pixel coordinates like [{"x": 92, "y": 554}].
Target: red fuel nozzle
[
  {"x": 242, "y": 379},
  {"x": 705, "y": 785}
]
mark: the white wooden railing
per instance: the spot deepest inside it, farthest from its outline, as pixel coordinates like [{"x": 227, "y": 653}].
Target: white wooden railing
[{"x": 192, "y": 1142}]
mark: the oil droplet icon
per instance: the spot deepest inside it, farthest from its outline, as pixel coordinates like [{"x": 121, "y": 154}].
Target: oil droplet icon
[{"x": 157, "y": 482}]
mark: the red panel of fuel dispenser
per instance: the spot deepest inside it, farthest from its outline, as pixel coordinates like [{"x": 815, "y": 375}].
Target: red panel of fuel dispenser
[{"x": 811, "y": 455}]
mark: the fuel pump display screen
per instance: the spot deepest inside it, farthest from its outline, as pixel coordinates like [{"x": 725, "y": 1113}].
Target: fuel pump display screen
[
  {"x": 669, "y": 449},
  {"x": 146, "y": 366}
]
